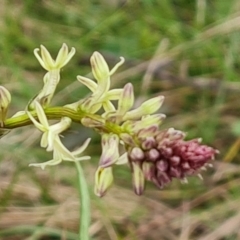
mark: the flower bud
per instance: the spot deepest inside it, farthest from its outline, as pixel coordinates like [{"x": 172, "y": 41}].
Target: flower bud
[
  {"x": 148, "y": 107},
  {"x": 153, "y": 154},
  {"x": 138, "y": 178},
  {"x": 103, "y": 180},
  {"x": 148, "y": 170},
  {"x": 148, "y": 143},
  {"x": 92, "y": 123},
  {"x": 127, "y": 139},
  {"x": 110, "y": 152},
  {"x": 148, "y": 131},
  {"x": 136, "y": 154},
  {"x": 126, "y": 100},
  {"x": 5, "y": 99},
  {"x": 162, "y": 165},
  {"x": 147, "y": 121},
  {"x": 100, "y": 68}
]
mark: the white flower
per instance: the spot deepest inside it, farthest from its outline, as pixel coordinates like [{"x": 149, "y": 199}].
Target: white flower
[
  {"x": 60, "y": 153},
  {"x": 51, "y": 139},
  {"x": 47, "y": 61},
  {"x": 101, "y": 95},
  {"x": 52, "y": 77},
  {"x": 109, "y": 157},
  {"x": 110, "y": 152}
]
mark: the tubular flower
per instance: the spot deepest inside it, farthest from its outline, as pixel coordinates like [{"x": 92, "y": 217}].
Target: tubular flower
[
  {"x": 109, "y": 157},
  {"x": 110, "y": 153},
  {"x": 103, "y": 180},
  {"x": 51, "y": 139},
  {"x": 52, "y": 77},
  {"x": 47, "y": 62},
  {"x": 101, "y": 96}
]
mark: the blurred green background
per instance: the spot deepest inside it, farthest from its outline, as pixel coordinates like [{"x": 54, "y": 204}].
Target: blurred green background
[{"x": 187, "y": 51}]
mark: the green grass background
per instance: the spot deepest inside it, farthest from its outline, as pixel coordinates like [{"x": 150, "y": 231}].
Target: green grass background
[{"x": 187, "y": 51}]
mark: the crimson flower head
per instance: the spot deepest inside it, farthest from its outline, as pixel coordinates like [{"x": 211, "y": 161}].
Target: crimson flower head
[{"x": 167, "y": 155}]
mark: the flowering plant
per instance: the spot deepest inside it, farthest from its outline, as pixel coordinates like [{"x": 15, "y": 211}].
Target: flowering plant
[{"x": 153, "y": 154}]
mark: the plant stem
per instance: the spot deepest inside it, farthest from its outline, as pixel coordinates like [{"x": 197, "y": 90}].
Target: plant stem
[
  {"x": 58, "y": 113},
  {"x": 85, "y": 210}
]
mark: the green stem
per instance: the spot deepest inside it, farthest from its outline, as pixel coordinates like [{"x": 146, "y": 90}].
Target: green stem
[
  {"x": 58, "y": 113},
  {"x": 84, "y": 204}
]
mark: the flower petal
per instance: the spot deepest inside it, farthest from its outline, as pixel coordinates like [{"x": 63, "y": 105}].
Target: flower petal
[
  {"x": 108, "y": 107},
  {"x": 69, "y": 56},
  {"x": 122, "y": 60},
  {"x": 41, "y": 115},
  {"x": 44, "y": 140},
  {"x": 48, "y": 163},
  {"x": 36, "y": 123},
  {"x": 47, "y": 58},
  {"x": 62, "y": 55},
  {"x": 61, "y": 149},
  {"x": 88, "y": 83},
  {"x": 123, "y": 159},
  {"x": 61, "y": 126},
  {"x": 36, "y": 53},
  {"x": 114, "y": 94},
  {"x": 82, "y": 148}
]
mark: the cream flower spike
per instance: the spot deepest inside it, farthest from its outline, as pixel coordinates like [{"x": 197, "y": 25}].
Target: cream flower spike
[{"x": 47, "y": 61}]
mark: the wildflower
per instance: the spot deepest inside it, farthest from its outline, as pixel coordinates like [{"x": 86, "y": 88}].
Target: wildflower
[
  {"x": 47, "y": 61},
  {"x": 126, "y": 100},
  {"x": 101, "y": 95},
  {"x": 138, "y": 178},
  {"x": 51, "y": 139},
  {"x": 103, "y": 180},
  {"x": 109, "y": 157},
  {"x": 52, "y": 77},
  {"x": 5, "y": 99},
  {"x": 110, "y": 153}
]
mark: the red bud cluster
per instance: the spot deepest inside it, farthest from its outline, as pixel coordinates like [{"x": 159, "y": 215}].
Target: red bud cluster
[{"x": 166, "y": 155}]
